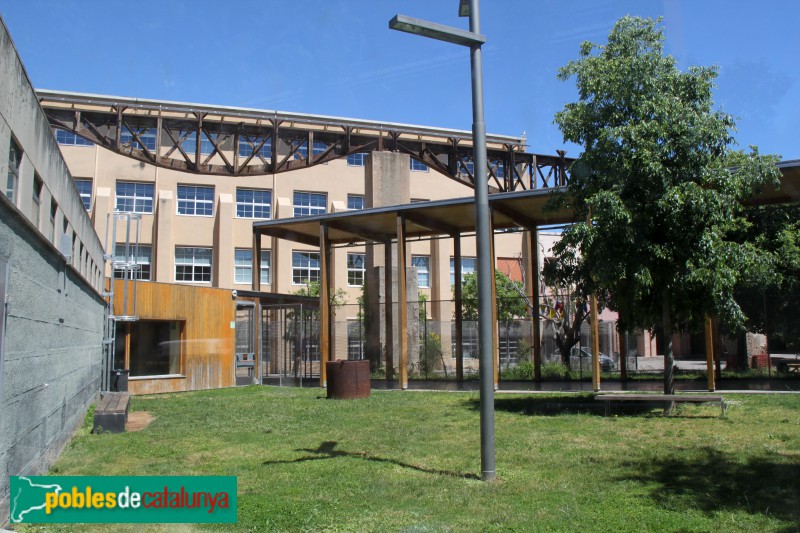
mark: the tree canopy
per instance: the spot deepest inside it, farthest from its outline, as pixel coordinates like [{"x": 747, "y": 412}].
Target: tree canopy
[
  {"x": 656, "y": 196},
  {"x": 509, "y": 303}
]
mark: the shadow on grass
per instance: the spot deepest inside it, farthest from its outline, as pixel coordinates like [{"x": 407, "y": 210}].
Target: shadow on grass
[
  {"x": 571, "y": 405},
  {"x": 327, "y": 450},
  {"x": 710, "y": 481}
]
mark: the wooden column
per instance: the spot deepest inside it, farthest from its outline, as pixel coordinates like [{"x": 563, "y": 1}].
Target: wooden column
[
  {"x": 388, "y": 312},
  {"x": 324, "y": 304},
  {"x": 256, "y": 278},
  {"x": 495, "y": 339},
  {"x": 256, "y": 286},
  {"x": 710, "y": 354},
  {"x": 532, "y": 275},
  {"x": 595, "y": 340},
  {"x": 459, "y": 308},
  {"x": 402, "y": 301}
]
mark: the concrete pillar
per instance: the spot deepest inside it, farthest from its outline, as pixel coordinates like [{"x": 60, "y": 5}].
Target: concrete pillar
[
  {"x": 222, "y": 272},
  {"x": 387, "y": 178},
  {"x": 164, "y": 253}
]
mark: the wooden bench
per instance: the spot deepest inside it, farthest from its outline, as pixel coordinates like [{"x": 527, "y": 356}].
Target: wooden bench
[
  {"x": 111, "y": 412},
  {"x": 662, "y": 398}
]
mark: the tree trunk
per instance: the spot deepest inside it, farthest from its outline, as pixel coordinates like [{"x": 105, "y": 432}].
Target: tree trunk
[{"x": 669, "y": 361}]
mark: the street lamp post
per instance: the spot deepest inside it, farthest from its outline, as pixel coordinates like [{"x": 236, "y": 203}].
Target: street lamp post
[{"x": 473, "y": 39}]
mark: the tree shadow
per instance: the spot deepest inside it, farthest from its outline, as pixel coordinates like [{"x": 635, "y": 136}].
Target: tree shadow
[
  {"x": 571, "y": 405},
  {"x": 710, "y": 480},
  {"x": 327, "y": 450}
]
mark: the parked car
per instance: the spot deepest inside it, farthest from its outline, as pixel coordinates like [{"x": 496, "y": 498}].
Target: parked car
[{"x": 606, "y": 363}]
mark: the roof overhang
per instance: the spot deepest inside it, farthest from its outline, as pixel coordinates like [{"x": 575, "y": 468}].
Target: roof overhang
[{"x": 524, "y": 209}]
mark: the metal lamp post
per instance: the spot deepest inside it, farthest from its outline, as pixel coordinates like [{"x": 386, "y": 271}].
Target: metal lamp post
[{"x": 473, "y": 39}]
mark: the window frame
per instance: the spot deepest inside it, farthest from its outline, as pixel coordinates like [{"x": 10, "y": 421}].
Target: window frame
[
  {"x": 194, "y": 265},
  {"x": 14, "y": 164},
  {"x": 82, "y": 181},
  {"x": 427, "y": 269},
  {"x": 309, "y": 268},
  {"x": 206, "y": 204},
  {"x": 136, "y": 197},
  {"x": 309, "y": 207},
  {"x": 360, "y": 197},
  {"x": 464, "y": 272},
  {"x": 354, "y": 272},
  {"x": 253, "y": 205},
  {"x": 142, "y": 260},
  {"x": 266, "y": 260},
  {"x": 418, "y": 166}
]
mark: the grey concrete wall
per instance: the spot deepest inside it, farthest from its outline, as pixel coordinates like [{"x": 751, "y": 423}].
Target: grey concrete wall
[{"x": 51, "y": 351}]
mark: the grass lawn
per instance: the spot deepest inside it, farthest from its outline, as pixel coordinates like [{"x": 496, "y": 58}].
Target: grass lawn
[{"x": 411, "y": 461}]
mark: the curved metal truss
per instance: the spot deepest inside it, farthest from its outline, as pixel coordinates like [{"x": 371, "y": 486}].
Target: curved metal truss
[{"x": 231, "y": 141}]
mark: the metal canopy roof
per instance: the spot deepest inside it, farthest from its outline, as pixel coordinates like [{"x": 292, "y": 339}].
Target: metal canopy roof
[
  {"x": 448, "y": 217},
  {"x": 423, "y": 219}
]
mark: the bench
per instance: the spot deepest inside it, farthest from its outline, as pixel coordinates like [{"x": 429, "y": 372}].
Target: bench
[
  {"x": 793, "y": 368},
  {"x": 111, "y": 412},
  {"x": 662, "y": 398}
]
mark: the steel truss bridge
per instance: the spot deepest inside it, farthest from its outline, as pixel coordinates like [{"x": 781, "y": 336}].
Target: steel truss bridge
[{"x": 231, "y": 141}]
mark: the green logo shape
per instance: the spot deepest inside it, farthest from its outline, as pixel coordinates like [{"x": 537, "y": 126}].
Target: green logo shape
[{"x": 123, "y": 499}]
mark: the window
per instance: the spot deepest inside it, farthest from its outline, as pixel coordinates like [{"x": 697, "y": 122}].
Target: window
[
  {"x": 499, "y": 169},
  {"x": 190, "y": 142},
  {"x": 357, "y": 160},
  {"x": 355, "y": 201},
  {"x": 355, "y": 269},
  {"x": 419, "y": 200},
  {"x": 147, "y": 135},
  {"x": 134, "y": 197},
  {"x": 248, "y": 143},
  {"x": 469, "y": 338},
  {"x": 194, "y": 200},
  {"x": 418, "y": 166},
  {"x": 302, "y": 151},
  {"x": 36, "y": 207},
  {"x": 193, "y": 264},
  {"x": 355, "y": 340},
  {"x": 155, "y": 347},
  {"x": 243, "y": 266},
  {"x": 70, "y": 139},
  {"x": 467, "y": 267},
  {"x": 305, "y": 267},
  {"x": 253, "y": 203},
  {"x": 309, "y": 203},
  {"x": 141, "y": 258},
  {"x": 466, "y": 166},
  {"x": 14, "y": 160},
  {"x": 53, "y": 211},
  {"x": 85, "y": 190},
  {"x": 423, "y": 264}
]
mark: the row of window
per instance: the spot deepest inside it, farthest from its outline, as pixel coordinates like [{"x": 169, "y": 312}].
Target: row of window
[
  {"x": 198, "y": 200},
  {"x": 194, "y": 265}
]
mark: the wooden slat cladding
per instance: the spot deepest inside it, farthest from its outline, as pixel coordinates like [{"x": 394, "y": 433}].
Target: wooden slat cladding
[{"x": 207, "y": 339}]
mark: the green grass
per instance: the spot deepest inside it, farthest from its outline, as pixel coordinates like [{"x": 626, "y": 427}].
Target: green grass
[{"x": 410, "y": 461}]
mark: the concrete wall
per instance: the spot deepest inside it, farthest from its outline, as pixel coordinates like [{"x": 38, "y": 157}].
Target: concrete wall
[{"x": 50, "y": 353}]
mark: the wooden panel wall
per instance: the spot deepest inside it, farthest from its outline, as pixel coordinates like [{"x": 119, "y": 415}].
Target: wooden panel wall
[{"x": 208, "y": 343}]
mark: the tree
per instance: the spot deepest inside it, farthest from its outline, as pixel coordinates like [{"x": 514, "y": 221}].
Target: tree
[
  {"x": 561, "y": 306},
  {"x": 655, "y": 199},
  {"x": 509, "y": 304},
  {"x": 770, "y": 301}
]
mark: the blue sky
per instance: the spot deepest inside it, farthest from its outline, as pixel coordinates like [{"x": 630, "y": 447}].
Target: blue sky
[{"x": 338, "y": 57}]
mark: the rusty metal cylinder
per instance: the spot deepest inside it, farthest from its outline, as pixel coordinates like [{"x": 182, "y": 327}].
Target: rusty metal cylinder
[{"x": 348, "y": 380}]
